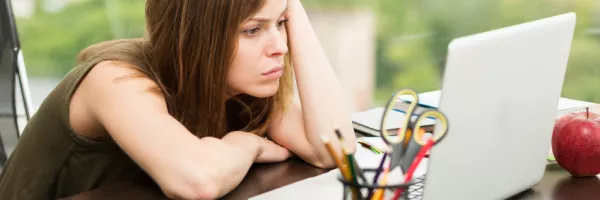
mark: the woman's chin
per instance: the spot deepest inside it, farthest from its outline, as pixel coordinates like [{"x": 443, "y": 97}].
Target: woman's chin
[{"x": 263, "y": 91}]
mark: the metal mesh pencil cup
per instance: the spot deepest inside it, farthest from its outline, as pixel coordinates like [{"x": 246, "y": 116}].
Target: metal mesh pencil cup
[{"x": 389, "y": 189}]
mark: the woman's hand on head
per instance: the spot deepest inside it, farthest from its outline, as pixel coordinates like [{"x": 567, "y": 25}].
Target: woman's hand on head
[{"x": 292, "y": 5}]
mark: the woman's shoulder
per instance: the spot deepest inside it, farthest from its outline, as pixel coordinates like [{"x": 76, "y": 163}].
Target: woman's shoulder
[
  {"x": 108, "y": 83},
  {"x": 110, "y": 88},
  {"x": 129, "y": 46},
  {"x": 115, "y": 65},
  {"x": 118, "y": 75}
]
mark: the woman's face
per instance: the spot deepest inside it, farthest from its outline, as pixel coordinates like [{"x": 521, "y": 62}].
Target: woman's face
[{"x": 259, "y": 59}]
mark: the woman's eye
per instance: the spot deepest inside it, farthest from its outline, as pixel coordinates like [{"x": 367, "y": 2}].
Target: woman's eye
[
  {"x": 252, "y": 31},
  {"x": 281, "y": 23}
]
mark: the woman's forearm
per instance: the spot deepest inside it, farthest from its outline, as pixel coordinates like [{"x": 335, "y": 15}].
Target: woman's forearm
[
  {"x": 242, "y": 150},
  {"x": 321, "y": 95},
  {"x": 217, "y": 167},
  {"x": 224, "y": 163}
]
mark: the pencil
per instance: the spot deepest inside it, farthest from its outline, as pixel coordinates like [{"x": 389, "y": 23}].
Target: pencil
[
  {"x": 342, "y": 165},
  {"x": 379, "y": 169},
  {"x": 367, "y": 145},
  {"x": 348, "y": 161},
  {"x": 345, "y": 173},
  {"x": 353, "y": 169},
  {"x": 339, "y": 134},
  {"x": 379, "y": 193},
  {"x": 358, "y": 170}
]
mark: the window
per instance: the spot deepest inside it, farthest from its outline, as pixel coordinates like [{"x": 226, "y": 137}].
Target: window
[{"x": 402, "y": 43}]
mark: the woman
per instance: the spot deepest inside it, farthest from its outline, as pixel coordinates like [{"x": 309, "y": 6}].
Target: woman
[{"x": 190, "y": 105}]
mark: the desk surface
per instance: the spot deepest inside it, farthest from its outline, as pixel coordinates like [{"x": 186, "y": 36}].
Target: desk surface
[
  {"x": 556, "y": 184},
  {"x": 260, "y": 179}
]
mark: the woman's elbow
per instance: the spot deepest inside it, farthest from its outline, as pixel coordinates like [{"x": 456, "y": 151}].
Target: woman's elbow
[
  {"x": 323, "y": 162},
  {"x": 326, "y": 164},
  {"x": 193, "y": 189}
]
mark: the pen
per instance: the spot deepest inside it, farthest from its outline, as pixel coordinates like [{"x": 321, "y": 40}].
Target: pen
[
  {"x": 377, "y": 173},
  {"x": 413, "y": 167}
]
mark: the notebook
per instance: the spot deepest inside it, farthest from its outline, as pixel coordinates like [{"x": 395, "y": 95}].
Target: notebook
[{"x": 369, "y": 122}]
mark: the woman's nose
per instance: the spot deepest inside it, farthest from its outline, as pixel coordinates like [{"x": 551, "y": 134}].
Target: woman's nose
[{"x": 277, "y": 44}]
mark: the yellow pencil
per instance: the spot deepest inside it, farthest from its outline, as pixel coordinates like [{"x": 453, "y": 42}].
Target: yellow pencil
[
  {"x": 342, "y": 165},
  {"x": 336, "y": 158}
]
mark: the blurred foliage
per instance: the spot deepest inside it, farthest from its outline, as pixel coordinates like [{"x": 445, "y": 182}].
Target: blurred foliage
[
  {"x": 50, "y": 40},
  {"x": 412, "y": 36}
]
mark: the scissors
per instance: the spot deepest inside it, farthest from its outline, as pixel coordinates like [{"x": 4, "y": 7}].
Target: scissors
[{"x": 409, "y": 138}]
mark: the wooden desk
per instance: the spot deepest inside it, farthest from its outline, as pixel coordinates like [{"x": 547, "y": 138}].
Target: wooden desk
[
  {"x": 557, "y": 184},
  {"x": 261, "y": 178}
]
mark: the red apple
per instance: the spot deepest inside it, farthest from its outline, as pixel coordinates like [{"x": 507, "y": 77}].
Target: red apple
[{"x": 576, "y": 143}]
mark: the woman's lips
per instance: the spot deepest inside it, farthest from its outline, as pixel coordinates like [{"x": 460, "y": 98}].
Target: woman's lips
[{"x": 276, "y": 72}]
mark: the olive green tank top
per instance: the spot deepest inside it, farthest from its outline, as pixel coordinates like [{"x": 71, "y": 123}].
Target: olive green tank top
[{"x": 50, "y": 161}]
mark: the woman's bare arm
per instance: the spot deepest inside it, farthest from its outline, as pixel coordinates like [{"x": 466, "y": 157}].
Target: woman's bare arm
[
  {"x": 181, "y": 164},
  {"x": 322, "y": 102}
]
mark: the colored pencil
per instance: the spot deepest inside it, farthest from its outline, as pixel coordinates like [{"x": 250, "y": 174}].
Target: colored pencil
[
  {"x": 345, "y": 173},
  {"x": 358, "y": 170},
  {"x": 343, "y": 164},
  {"x": 379, "y": 193},
  {"x": 348, "y": 163},
  {"x": 377, "y": 173},
  {"x": 367, "y": 145},
  {"x": 352, "y": 168}
]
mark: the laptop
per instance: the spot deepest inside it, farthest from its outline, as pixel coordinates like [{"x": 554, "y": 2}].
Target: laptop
[{"x": 500, "y": 92}]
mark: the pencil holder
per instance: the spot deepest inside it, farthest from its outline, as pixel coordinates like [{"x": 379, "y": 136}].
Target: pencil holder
[{"x": 366, "y": 191}]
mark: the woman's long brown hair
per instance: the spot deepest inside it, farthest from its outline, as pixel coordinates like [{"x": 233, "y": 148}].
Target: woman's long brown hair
[{"x": 188, "y": 50}]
